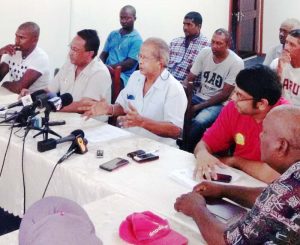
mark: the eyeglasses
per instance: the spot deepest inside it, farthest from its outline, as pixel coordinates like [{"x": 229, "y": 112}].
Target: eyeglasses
[
  {"x": 145, "y": 58},
  {"x": 239, "y": 96},
  {"x": 76, "y": 50}
]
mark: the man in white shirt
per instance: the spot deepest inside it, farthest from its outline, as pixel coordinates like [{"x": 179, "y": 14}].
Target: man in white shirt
[
  {"x": 83, "y": 76},
  {"x": 26, "y": 65},
  {"x": 285, "y": 27}
]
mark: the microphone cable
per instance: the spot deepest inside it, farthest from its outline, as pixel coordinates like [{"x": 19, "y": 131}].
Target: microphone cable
[
  {"x": 7, "y": 146},
  {"x": 23, "y": 175},
  {"x": 58, "y": 162}
]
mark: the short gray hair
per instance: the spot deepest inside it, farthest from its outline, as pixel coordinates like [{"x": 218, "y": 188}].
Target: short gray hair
[{"x": 161, "y": 49}]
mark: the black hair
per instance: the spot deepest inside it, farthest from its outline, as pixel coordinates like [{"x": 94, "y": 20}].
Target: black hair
[
  {"x": 92, "y": 41},
  {"x": 195, "y": 17},
  {"x": 261, "y": 82},
  {"x": 295, "y": 33}
]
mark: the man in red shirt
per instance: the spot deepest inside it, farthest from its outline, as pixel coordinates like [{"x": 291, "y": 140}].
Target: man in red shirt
[{"x": 258, "y": 90}]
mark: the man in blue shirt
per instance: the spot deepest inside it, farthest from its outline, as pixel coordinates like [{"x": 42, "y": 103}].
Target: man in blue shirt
[{"x": 123, "y": 46}]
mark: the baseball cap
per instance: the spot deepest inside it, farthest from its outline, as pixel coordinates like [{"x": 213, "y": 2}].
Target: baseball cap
[
  {"x": 148, "y": 228},
  {"x": 59, "y": 221}
]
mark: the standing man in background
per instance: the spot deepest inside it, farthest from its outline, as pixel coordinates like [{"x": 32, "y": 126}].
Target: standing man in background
[
  {"x": 285, "y": 27},
  {"x": 26, "y": 64},
  {"x": 122, "y": 46},
  {"x": 184, "y": 50}
]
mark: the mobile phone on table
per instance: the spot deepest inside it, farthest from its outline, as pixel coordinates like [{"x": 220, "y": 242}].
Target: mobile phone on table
[
  {"x": 146, "y": 157},
  {"x": 114, "y": 164},
  {"x": 135, "y": 153},
  {"x": 222, "y": 178}
]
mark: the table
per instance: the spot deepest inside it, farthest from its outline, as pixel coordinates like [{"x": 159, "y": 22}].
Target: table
[{"x": 80, "y": 179}]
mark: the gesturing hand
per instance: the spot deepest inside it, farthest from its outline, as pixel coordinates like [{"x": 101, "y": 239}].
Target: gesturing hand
[
  {"x": 131, "y": 119},
  {"x": 94, "y": 107}
]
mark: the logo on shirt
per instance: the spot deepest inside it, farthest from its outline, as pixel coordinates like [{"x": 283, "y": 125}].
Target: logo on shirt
[{"x": 239, "y": 139}]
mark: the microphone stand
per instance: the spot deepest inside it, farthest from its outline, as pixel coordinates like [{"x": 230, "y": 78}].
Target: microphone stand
[{"x": 46, "y": 129}]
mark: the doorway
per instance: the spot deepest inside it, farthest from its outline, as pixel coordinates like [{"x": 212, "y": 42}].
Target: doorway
[{"x": 245, "y": 25}]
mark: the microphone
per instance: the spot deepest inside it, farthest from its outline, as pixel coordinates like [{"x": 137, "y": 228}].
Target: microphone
[
  {"x": 49, "y": 144},
  {"x": 25, "y": 100},
  {"x": 22, "y": 116},
  {"x": 78, "y": 146}
]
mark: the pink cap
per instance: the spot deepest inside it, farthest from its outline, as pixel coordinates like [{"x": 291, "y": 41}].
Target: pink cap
[{"x": 148, "y": 228}]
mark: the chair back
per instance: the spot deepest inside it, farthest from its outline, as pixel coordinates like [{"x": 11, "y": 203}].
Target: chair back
[
  {"x": 188, "y": 88},
  {"x": 115, "y": 74}
]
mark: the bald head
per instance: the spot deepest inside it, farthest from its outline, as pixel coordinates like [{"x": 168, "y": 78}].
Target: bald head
[
  {"x": 286, "y": 26},
  {"x": 129, "y": 9},
  {"x": 280, "y": 138},
  {"x": 31, "y": 28}
]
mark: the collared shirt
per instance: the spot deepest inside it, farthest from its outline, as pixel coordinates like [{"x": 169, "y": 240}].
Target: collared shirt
[
  {"x": 165, "y": 101},
  {"x": 275, "y": 216},
  {"x": 120, "y": 47},
  {"x": 94, "y": 81},
  {"x": 37, "y": 60},
  {"x": 182, "y": 57}
]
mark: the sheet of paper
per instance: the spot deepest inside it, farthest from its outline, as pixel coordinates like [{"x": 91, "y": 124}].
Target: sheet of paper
[
  {"x": 105, "y": 133},
  {"x": 185, "y": 176}
]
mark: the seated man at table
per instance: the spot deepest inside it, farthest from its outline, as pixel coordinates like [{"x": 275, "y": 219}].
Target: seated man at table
[
  {"x": 257, "y": 91},
  {"x": 83, "y": 76},
  {"x": 184, "y": 50},
  {"x": 274, "y": 217},
  {"x": 26, "y": 64},
  {"x": 123, "y": 46},
  {"x": 217, "y": 67},
  {"x": 153, "y": 103}
]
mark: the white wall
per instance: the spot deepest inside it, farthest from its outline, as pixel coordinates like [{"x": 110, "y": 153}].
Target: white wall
[
  {"x": 276, "y": 11},
  {"x": 52, "y": 17},
  {"x": 59, "y": 20}
]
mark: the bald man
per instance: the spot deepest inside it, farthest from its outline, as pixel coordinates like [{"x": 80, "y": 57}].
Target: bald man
[
  {"x": 285, "y": 27},
  {"x": 27, "y": 65},
  {"x": 122, "y": 46},
  {"x": 274, "y": 217}
]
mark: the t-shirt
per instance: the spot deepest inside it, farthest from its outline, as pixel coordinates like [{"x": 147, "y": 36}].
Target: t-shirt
[
  {"x": 233, "y": 127},
  {"x": 273, "y": 53},
  {"x": 290, "y": 80},
  {"x": 275, "y": 216},
  {"x": 120, "y": 47},
  {"x": 214, "y": 76},
  {"x": 37, "y": 60}
]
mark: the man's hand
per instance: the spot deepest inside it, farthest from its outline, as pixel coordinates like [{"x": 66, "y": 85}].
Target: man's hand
[
  {"x": 24, "y": 92},
  {"x": 206, "y": 166},
  {"x": 190, "y": 204},
  {"x": 94, "y": 108},
  {"x": 131, "y": 119},
  {"x": 284, "y": 59},
  {"x": 8, "y": 49},
  {"x": 209, "y": 189}
]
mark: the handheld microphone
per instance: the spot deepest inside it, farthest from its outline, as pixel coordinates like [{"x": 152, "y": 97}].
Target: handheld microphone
[
  {"x": 78, "y": 146},
  {"x": 22, "y": 116},
  {"x": 49, "y": 144},
  {"x": 24, "y": 100}
]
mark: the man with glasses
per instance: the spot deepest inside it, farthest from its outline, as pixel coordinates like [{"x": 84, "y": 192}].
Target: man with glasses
[
  {"x": 83, "y": 76},
  {"x": 123, "y": 46},
  {"x": 217, "y": 67},
  {"x": 288, "y": 67},
  {"x": 26, "y": 65},
  {"x": 257, "y": 91}
]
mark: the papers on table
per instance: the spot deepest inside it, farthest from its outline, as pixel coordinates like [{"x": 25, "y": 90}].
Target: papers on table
[
  {"x": 185, "y": 176},
  {"x": 104, "y": 133}
]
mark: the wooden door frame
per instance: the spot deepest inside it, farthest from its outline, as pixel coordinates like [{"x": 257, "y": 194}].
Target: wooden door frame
[{"x": 260, "y": 9}]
